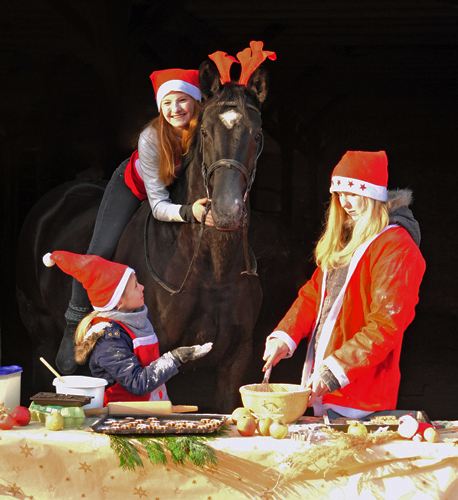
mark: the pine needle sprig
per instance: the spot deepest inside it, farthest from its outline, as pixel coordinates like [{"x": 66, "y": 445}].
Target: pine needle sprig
[
  {"x": 192, "y": 448},
  {"x": 129, "y": 458},
  {"x": 154, "y": 450}
]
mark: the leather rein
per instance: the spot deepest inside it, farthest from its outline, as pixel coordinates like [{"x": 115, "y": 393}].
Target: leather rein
[{"x": 250, "y": 259}]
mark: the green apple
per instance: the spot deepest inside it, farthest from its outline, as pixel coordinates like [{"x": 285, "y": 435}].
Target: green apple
[
  {"x": 263, "y": 425},
  {"x": 278, "y": 429},
  {"x": 54, "y": 421},
  {"x": 357, "y": 429}
]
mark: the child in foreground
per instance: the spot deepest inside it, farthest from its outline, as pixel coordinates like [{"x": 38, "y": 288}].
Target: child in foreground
[{"x": 117, "y": 336}]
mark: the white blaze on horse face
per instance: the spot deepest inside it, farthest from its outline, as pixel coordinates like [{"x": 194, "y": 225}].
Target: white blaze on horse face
[{"x": 230, "y": 118}]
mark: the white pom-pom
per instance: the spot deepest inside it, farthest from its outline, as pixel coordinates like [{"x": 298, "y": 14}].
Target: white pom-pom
[
  {"x": 408, "y": 426},
  {"x": 47, "y": 261}
]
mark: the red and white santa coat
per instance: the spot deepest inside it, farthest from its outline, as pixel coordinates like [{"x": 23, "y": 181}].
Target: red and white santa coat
[{"x": 361, "y": 339}]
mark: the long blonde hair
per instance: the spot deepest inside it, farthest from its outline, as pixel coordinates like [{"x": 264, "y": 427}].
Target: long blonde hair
[
  {"x": 342, "y": 236},
  {"x": 171, "y": 148}
]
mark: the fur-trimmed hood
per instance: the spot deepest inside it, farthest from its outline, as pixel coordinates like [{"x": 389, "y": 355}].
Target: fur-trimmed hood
[
  {"x": 400, "y": 214},
  {"x": 84, "y": 350}
]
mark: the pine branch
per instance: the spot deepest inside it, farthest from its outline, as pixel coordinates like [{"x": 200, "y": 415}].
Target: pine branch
[{"x": 190, "y": 448}]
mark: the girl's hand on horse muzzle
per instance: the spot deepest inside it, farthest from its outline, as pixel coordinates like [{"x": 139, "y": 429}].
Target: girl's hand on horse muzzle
[{"x": 183, "y": 354}]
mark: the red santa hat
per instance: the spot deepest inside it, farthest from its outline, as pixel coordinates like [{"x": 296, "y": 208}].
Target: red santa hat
[
  {"x": 175, "y": 80},
  {"x": 104, "y": 281},
  {"x": 362, "y": 172}
]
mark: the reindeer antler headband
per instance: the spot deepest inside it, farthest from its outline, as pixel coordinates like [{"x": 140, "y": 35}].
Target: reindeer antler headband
[{"x": 250, "y": 59}]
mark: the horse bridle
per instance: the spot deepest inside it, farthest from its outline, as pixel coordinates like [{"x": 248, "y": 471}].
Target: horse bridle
[
  {"x": 228, "y": 163},
  {"x": 250, "y": 259}
]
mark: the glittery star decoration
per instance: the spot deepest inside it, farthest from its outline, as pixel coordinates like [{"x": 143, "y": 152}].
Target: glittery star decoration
[
  {"x": 85, "y": 467},
  {"x": 194, "y": 481},
  {"x": 177, "y": 491},
  {"x": 140, "y": 492},
  {"x": 70, "y": 451},
  {"x": 105, "y": 489},
  {"x": 51, "y": 488},
  {"x": 15, "y": 489},
  {"x": 67, "y": 479},
  {"x": 112, "y": 477},
  {"x": 26, "y": 450},
  {"x": 342, "y": 473},
  {"x": 17, "y": 469}
]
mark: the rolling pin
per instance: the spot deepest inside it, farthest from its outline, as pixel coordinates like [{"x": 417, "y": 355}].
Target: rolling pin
[{"x": 140, "y": 408}]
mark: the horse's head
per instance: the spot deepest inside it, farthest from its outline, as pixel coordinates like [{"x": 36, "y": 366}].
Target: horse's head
[{"x": 230, "y": 140}]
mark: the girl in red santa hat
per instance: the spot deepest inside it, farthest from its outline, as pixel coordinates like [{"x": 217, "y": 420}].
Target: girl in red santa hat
[
  {"x": 146, "y": 175},
  {"x": 362, "y": 296},
  {"x": 118, "y": 336}
]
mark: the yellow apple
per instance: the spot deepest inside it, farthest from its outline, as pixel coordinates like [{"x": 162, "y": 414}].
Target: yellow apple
[
  {"x": 357, "y": 429},
  {"x": 54, "y": 421},
  {"x": 278, "y": 429},
  {"x": 264, "y": 424}
]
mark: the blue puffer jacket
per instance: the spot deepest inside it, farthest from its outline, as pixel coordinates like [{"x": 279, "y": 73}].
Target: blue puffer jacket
[{"x": 114, "y": 360}]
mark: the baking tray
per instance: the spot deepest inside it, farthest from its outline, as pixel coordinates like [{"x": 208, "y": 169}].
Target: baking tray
[
  {"x": 167, "y": 422},
  {"x": 57, "y": 399},
  {"x": 330, "y": 419}
]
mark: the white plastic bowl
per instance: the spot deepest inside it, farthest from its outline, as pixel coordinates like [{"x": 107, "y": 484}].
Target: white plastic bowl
[{"x": 83, "y": 386}]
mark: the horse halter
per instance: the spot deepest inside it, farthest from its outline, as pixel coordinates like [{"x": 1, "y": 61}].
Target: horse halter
[
  {"x": 228, "y": 163},
  {"x": 250, "y": 259}
]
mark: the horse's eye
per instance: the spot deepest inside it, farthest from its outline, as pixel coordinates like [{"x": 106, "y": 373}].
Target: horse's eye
[{"x": 257, "y": 137}]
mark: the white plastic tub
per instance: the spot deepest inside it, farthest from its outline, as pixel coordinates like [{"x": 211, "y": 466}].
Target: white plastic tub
[
  {"x": 10, "y": 386},
  {"x": 83, "y": 386}
]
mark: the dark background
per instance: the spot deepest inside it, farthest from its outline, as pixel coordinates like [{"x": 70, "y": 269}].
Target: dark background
[{"x": 350, "y": 75}]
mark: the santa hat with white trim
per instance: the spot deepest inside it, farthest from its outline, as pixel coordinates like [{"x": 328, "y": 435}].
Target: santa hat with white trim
[
  {"x": 104, "y": 281},
  {"x": 175, "y": 80},
  {"x": 362, "y": 172}
]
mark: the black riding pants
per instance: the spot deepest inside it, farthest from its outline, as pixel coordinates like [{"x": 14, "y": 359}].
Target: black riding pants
[{"x": 117, "y": 207}]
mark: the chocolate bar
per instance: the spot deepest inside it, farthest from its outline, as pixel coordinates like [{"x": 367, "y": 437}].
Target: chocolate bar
[{"x": 56, "y": 399}]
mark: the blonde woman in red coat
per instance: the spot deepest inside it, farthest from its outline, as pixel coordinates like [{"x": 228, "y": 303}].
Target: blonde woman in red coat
[{"x": 362, "y": 296}]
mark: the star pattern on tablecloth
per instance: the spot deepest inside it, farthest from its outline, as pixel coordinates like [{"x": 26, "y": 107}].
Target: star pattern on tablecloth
[
  {"x": 112, "y": 477},
  {"x": 177, "y": 491},
  {"x": 51, "y": 488},
  {"x": 70, "y": 451},
  {"x": 26, "y": 450},
  {"x": 194, "y": 481},
  {"x": 15, "y": 490},
  {"x": 140, "y": 492},
  {"x": 105, "y": 489},
  {"x": 85, "y": 467},
  {"x": 342, "y": 473},
  {"x": 17, "y": 469}
]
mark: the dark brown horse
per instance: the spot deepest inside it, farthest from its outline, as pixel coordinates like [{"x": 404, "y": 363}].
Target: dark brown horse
[{"x": 216, "y": 300}]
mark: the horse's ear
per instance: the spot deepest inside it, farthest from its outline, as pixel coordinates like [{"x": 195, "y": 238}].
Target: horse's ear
[
  {"x": 258, "y": 84},
  {"x": 209, "y": 80}
]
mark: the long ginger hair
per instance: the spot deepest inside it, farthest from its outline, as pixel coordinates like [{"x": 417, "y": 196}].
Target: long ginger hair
[
  {"x": 342, "y": 236},
  {"x": 171, "y": 148}
]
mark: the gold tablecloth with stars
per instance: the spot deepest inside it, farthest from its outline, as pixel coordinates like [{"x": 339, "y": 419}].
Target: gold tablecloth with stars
[{"x": 38, "y": 464}]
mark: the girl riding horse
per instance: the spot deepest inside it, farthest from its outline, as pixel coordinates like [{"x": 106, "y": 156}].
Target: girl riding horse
[{"x": 147, "y": 174}]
